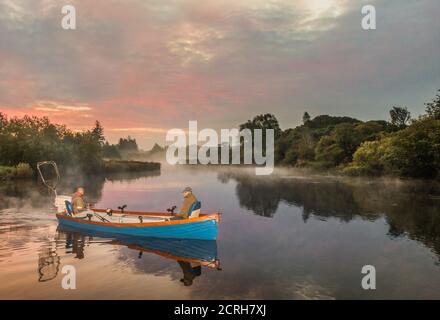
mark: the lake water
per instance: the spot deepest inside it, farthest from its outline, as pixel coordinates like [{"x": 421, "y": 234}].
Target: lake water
[{"x": 287, "y": 236}]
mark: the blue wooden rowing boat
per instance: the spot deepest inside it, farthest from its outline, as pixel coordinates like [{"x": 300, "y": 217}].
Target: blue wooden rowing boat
[
  {"x": 145, "y": 224},
  {"x": 139, "y": 224}
]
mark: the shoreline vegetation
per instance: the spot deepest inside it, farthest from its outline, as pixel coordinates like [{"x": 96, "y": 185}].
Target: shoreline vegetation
[
  {"x": 401, "y": 147},
  {"x": 26, "y": 141},
  {"x": 109, "y": 167},
  {"x": 119, "y": 166}
]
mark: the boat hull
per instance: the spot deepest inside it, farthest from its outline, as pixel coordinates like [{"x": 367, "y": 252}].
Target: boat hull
[{"x": 200, "y": 228}]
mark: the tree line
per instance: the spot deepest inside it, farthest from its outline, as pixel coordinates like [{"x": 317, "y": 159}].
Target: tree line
[
  {"x": 26, "y": 141},
  {"x": 31, "y": 139},
  {"x": 402, "y": 146},
  {"x": 124, "y": 146}
]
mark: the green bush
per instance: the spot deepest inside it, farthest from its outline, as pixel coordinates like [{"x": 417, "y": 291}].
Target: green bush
[
  {"x": 32, "y": 139},
  {"x": 7, "y": 172},
  {"x": 24, "y": 170},
  {"x": 412, "y": 152},
  {"x": 129, "y": 166},
  {"x": 340, "y": 145}
]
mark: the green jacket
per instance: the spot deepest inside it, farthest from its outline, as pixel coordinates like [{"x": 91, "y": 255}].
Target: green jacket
[
  {"x": 78, "y": 203},
  {"x": 187, "y": 203}
]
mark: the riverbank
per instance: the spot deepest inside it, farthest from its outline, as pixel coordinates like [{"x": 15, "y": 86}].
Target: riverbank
[
  {"x": 25, "y": 171},
  {"x": 118, "y": 166},
  {"x": 20, "y": 171}
]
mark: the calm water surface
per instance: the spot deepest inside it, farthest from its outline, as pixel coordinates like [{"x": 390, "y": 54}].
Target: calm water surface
[{"x": 288, "y": 236}]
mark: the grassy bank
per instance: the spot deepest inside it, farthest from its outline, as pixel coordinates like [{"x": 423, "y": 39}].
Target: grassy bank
[
  {"x": 24, "y": 170},
  {"x": 117, "y": 166},
  {"x": 20, "y": 171}
]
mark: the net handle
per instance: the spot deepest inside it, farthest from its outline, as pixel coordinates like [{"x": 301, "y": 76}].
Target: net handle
[{"x": 54, "y": 165}]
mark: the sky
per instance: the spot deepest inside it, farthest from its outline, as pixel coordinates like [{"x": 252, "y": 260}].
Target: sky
[{"x": 142, "y": 67}]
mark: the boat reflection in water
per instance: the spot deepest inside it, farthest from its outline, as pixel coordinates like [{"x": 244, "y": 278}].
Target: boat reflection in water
[{"x": 191, "y": 255}]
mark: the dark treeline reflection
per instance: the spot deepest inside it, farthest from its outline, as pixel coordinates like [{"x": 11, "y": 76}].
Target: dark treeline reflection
[
  {"x": 22, "y": 193},
  {"x": 411, "y": 208},
  {"x": 94, "y": 184}
]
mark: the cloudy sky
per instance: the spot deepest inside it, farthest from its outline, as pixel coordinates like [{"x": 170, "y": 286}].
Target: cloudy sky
[{"x": 142, "y": 67}]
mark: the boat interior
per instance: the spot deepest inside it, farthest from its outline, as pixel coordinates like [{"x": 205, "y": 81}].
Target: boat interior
[
  {"x": 64, "y": 205},
  {"x": 118, "y": 217}
]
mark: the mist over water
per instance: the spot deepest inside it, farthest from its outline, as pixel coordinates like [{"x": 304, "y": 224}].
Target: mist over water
[{"x": 291, "y": 235}]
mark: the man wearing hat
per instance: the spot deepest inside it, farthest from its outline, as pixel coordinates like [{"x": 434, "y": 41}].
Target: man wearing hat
[{"x": 188, "y": 200}]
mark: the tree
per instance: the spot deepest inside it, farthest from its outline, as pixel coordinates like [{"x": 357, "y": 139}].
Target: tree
[
  {"x": 98, "y": 133},
  {"x": 32, "y": 139},
  {"x": 127, "y": 145},
  {"x": 306, "y": 117},
  {"x": 433, "y": 108},
  {"x": 400, "y": 117},
  {"x": 87, "y": 152},
  {"x": 3, "y": 122},
  {"x": 306, "y": 144},
  {"x": 110, "y": 151},
  {"x": 156, "y": 148},
  {"x": 413, "y": 151},
  {"x": 262, "y": 121},
  {"x": 341, "y": 143}
]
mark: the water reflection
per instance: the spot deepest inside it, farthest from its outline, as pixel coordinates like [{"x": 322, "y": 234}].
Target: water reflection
[
  {"x": 27, "y": 193},
  {"x": 48, "y": 264},
  {"x": 94, "y": 184},
  {"x": 411, "y": 208},
  {"x": 190, "y": 255},
  {"x": 316, "y": 233},
  {"x": 75, "y": 243}
]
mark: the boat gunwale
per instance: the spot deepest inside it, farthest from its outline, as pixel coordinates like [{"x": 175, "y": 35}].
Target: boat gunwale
[
  {"x": 204, "y": 217},
  {"x": 148, "y": 213}
]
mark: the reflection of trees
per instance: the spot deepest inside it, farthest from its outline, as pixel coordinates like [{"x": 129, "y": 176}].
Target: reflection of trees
[
  {"x": 131, "y": 175},
  {"x": 423, "y": 225},
  {"x": 20, "y": 193},
  {"x": 411, "y": 208},
  {"x": 258, "y": 196},
  {"x": 326, "y": 199},
  {"x": 95, "y": 183}
]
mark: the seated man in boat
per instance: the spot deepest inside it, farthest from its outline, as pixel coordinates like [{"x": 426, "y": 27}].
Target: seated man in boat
[
  {"x": 78, "y": 203},
  {"x": 188, "y": 200}
]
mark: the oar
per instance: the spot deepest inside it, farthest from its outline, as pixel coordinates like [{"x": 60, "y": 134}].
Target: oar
[{"x": 100, "y": 217}]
